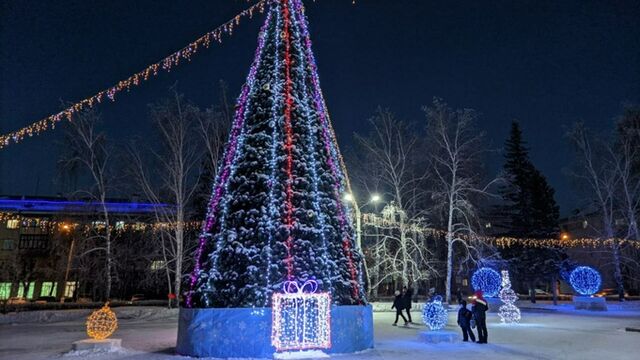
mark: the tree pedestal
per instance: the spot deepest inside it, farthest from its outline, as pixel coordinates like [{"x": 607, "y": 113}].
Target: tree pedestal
[
  {"x": 246, "y": 332},
  {"x": 494, "y": 304},
  {"x": 590, "y": 303},
  {"x": 93, "y": 345},
  {"x": 438, "y": 336}
]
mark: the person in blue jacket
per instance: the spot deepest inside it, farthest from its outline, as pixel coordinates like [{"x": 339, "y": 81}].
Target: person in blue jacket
[{"x": 464, "y": 321}]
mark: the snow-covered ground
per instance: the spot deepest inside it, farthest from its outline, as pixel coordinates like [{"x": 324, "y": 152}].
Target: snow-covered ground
[{"x": 149, "y": 334}]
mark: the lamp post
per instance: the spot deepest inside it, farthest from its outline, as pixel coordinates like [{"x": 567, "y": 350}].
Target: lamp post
[
  {"x": 348, "y": 197},
  {"x": 375, "y": 198}
]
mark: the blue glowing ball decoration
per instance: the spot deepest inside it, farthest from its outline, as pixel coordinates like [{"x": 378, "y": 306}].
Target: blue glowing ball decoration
[
  {"x": 585, "y": 280},
  {"x": 487, "y": 280},
  {"x": 434, "y": 314}
]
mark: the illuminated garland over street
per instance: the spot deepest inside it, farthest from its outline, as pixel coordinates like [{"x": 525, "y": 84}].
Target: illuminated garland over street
[{"x": 136, "y": 79}]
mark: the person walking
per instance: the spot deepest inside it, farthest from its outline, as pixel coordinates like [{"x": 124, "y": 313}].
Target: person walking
[
  {"x": 464, "y": 321},
  {"x": 398, "y": 304},
  {"x": 480, "y": 308},
  {"x": 407, "y": 297}
]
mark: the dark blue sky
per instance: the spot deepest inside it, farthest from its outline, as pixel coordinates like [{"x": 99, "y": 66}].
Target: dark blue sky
[{"x": 546, "y": 63}]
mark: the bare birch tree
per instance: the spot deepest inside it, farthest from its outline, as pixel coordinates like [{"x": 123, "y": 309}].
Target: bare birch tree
[
  {"x": 88, "y": 150},
  {"x": 456, "y": 149},
  {"x": 393, "y": 150},
  {"x": 599, "y": 168},
  {"x": 171, "y": 174}
]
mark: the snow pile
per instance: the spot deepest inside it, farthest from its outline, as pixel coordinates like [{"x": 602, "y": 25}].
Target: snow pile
[
  {"x": 307, "y": 354},
  {"x": 84, "y": 354},
  {"x": 54, "y": 316}
]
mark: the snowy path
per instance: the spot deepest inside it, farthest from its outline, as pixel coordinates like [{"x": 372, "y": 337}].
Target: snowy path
[{"x": 541, "y": 336}]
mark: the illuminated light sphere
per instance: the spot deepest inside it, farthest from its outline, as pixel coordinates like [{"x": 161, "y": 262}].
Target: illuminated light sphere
[
  {"x": 585, "y": 280},
  {"x": 508, "y": 312},
  {"x": 487, "y": 280},
  {"x": 434, "y": 315},
  {"x": 102, "y": 323}
]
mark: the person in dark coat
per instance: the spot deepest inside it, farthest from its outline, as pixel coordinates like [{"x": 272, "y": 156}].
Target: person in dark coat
[
  {"x": 407, "y": 297},
  {"x": 398, "y": 304},
  {"x": 464, "y": 321},
  {"x": 480, "y": 308}
]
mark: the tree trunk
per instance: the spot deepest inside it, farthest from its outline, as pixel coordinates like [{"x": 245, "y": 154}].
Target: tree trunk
[
  {"x": 554, "y": 289},
  {"x": 179, "y": 250},
  {"x": 532, "y": 293},
  {"x": 449, "y": 250},
  {"x": 618, "y": 270}
]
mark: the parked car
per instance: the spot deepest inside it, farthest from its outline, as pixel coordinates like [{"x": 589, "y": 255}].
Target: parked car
[
  {"x": 609, "y": 292},
  {"x": 136, "y": 298},
  {"x": 45, "y": 299},
  {"x": 18, "y": 300}
]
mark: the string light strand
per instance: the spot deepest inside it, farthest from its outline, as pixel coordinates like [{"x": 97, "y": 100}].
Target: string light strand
[{"x": 165, "y": 65}]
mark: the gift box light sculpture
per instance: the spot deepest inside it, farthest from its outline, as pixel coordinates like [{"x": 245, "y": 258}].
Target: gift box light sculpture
[
  {"x": 102, "y": 323},
  {"x": 487, "y": 280},
  {"x": 301, "y": 317},
  {"x": 585, "y": 280},
  {"x": 434, "y": 314},
  {"x": 508, "y": 312}
]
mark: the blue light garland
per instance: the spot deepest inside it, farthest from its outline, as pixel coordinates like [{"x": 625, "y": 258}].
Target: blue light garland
[
  {"x": 434, "y": 315},
  {"x": 487, "y": 280},
  {"x": 585, "y": 280}
]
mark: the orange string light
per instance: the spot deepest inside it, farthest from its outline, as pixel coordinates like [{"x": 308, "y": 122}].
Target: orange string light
[{"x": 134, "y": 80}]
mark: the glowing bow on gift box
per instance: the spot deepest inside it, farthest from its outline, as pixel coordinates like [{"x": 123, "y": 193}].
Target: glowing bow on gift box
[
  {"x": 292, "y": 287},
  {"x": 301, "y": 317}
]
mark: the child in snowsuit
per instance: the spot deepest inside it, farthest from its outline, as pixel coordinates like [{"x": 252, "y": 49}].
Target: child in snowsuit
[
  {"x": 464, "y": 321},
  {"x": 398, "y": 304},
  {"x": 480, "y": 308}
]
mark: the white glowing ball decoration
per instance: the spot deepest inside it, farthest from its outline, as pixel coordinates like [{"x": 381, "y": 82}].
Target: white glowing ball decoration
[
  {"x": 508, "y": 312},
  {"x": 434, "y": 314}
]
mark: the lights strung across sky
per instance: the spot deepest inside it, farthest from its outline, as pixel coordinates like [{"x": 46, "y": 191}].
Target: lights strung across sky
[{"x": 134, "y": 80}]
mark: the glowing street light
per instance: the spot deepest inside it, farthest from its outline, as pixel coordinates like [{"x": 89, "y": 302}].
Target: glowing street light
[{"x": 375, "y": 198}]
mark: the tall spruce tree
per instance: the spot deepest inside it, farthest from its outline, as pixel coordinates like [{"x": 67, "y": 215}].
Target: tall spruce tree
[
  {"x": 529, "y": 210},
  {"x": 276, "y": 212}
]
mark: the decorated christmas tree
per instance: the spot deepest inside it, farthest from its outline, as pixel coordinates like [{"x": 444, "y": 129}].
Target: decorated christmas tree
[{"x": 276, "y": 212}]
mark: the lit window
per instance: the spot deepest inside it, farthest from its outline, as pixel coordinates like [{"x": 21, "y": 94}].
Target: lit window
[
  {"x": 5, "y": 290},
  {"x": 157, "y": 265},
  {"x": 98, "y": 224},
  {"x": 70, "y": 288},
  {"x": 119, "y": 225},
  {"x": 13, "y": 224},
  {"x": 32, "y": 286},
  {"x": 7, "y": 244},
  {"x": 48, "y": 289}
]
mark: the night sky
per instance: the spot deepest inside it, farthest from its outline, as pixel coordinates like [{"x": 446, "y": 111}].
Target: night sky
[{"x": 546, "y": 63}]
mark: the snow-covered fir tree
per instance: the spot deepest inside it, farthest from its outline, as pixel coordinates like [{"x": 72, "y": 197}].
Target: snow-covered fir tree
[{"x": 276, "y": 211}]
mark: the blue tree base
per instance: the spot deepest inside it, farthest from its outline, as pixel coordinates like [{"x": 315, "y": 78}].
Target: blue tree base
[
  {"x": 590, "y": 303},
  {"x": 246, "y": 332}
]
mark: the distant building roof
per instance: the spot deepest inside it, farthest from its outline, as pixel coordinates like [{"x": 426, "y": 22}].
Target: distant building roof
[{"x": 45, "y": 205}]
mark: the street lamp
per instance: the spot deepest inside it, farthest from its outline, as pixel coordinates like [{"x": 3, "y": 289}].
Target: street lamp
[{"x": 375, "y": 198}]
